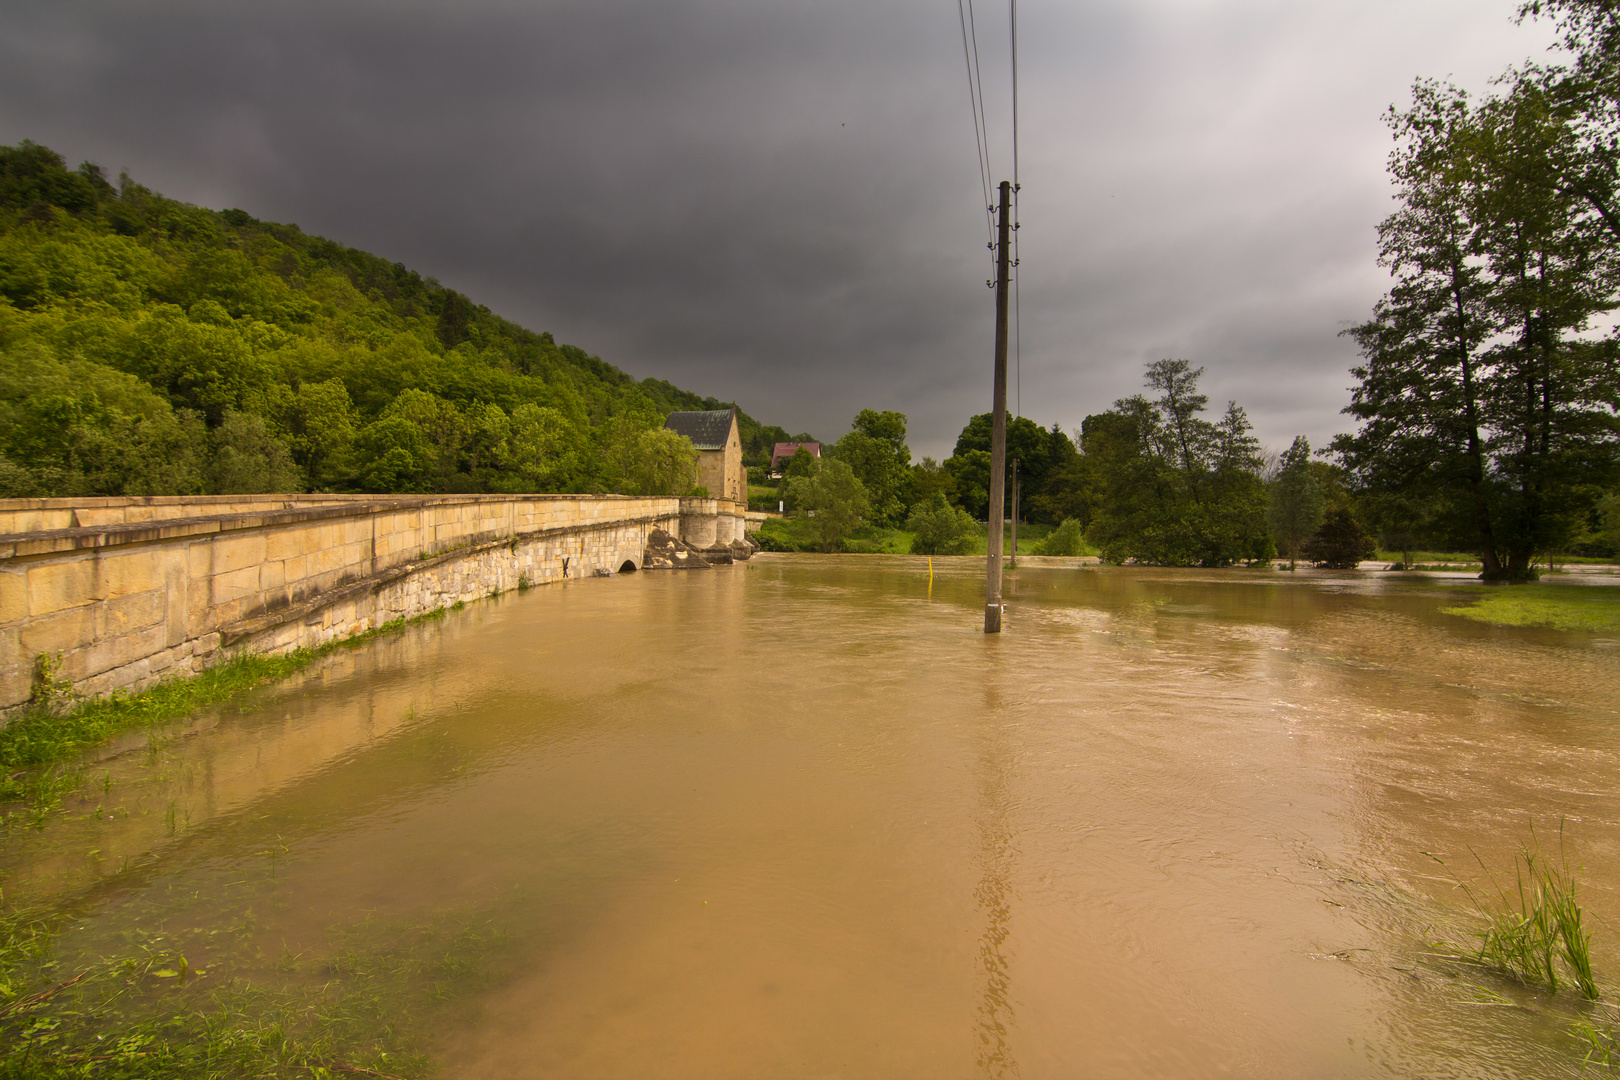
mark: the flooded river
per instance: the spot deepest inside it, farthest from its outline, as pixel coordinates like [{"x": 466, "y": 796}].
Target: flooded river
[{"x": 801, "y": 819}]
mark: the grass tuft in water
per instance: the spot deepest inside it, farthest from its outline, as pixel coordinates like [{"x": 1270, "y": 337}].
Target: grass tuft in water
[
  {"x": 1600, "y": 1035},
  {"x": 1534, "y": 930}
]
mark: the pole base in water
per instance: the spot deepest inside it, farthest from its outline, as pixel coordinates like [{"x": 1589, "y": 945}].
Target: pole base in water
[{"x": 992, "y": 618}]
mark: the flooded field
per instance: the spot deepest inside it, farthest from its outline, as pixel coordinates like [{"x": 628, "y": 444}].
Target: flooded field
[{"x": 800, "y": 818}]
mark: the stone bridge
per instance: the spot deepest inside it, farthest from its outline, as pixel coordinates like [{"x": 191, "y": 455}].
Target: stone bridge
[{"x": 129, "y": 591}]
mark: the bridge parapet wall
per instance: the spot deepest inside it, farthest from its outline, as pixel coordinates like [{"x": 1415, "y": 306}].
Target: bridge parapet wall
[{"x": 156, "y": 588}]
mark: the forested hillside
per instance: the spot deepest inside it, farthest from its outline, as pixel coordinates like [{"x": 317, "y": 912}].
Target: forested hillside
[{"x": 152, "y": 347}]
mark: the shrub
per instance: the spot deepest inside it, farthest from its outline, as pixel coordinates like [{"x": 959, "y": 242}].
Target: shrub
[
  {"x": 938, "y": 528},
  {"x": 1067, "y": 539}
]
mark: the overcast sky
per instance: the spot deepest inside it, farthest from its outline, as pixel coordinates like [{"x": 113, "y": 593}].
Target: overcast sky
[{"x": 778, "y": 202}]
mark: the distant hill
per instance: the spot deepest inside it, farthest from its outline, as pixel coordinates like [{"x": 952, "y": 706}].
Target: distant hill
[{"x": 152, "y": 347}]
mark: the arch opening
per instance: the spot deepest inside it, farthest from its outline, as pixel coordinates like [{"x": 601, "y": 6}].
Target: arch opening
[{"x": 628, "y": 567}]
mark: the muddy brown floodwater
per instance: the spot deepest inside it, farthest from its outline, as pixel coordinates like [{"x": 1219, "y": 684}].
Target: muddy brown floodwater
[{"x": 800, "y": 818}]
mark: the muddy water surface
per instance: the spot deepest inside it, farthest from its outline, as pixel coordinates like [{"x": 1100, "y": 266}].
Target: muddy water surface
[{"x": 801, "y": 819}]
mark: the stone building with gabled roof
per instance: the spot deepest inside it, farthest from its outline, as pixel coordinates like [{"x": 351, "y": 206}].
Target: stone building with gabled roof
[{"x": 719, "y": 446}]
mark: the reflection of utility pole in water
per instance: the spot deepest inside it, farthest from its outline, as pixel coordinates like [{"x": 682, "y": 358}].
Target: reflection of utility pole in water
[
  {"x": 998, "y": 429},
  {"x": 994, "y": 897}
]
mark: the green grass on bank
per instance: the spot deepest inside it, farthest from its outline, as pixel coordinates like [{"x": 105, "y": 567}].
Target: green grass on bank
[
  {"x": 53, "y": 729},
  {"x": 1430, "y": 557},
  {"x": 1423, "y": 560},
  {"x": 1590, "y": 608},
  {"x": 798, "y": 534}
]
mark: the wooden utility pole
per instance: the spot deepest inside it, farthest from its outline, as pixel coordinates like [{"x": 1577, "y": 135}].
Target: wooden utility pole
[{"x": 998, "y": 429}]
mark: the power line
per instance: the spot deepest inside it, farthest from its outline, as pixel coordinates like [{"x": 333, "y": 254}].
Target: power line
[
  {"x": 981, "y": 141},
  {"x": 1018, "y": 327}
]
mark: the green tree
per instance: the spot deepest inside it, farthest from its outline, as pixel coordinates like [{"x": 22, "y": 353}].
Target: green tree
[
  {"x": 969, "y": 471},
  {"x": 1028, "y": 444},
  {"x": 938, "y": 528},
  {"x": 1340, "y": 543},
  {"x": 1479, "y": 389},
  {"x": 928, "y": 479},
  {"x": 833, "y": 498},
  {"x": 802, "y": 464},
  {"x": 1296, "y": 505},
  {"x": 1169, "y": 487},
  {"x": 153, "y": 323},
  {"x": 543, "y": 450},
  {"x": 247, "y": 459},
  {"x": 666, "y": 463},
  {"x": 876, "y": 452},
  {"x": 395, "y": 455},
  {"x": 317, "y": 421}
]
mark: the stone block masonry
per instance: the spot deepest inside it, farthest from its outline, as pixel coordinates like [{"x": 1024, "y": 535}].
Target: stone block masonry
[{"x": 132, "y": 591}]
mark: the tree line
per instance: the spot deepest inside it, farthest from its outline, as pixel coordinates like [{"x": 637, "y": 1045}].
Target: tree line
[
  {"x": 1152, "y": 480},
  {"x": 152, "y": 347},
  {"x": 1488, "y": 392}
]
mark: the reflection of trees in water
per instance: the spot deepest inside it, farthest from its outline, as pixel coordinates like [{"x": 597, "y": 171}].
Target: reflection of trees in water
[{"x": 994, "y": 897}]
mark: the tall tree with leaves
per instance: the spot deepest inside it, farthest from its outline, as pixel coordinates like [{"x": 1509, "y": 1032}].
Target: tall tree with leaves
[
  {"x": 1478, "y": 387},
  {"x": 1296, "y": 505}
]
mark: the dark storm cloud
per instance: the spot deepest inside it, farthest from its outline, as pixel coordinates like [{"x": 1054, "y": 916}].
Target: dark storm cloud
[{"x": 778, "y": 202}]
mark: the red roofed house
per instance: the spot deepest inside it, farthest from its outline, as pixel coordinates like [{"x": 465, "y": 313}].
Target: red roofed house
[{"x": 787, "y": 450}]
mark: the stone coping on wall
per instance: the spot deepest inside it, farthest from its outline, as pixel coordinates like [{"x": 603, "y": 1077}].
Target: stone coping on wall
[
  {"x": 247, "y": 628},
  {"x": 49, "y": 541}
]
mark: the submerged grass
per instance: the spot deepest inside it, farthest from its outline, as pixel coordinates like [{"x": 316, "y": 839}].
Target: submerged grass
[
  {"x": 194, "y": 1004},
  {"x": 362, "y": 1007},
  {"x": 1591, "y": 608}
]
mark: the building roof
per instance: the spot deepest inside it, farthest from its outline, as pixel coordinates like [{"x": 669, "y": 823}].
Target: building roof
[
  {"x": 788, "y": 449},
  {"x": 707, "y": 430}
]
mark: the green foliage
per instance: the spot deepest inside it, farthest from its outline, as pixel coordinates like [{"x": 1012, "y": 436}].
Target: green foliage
[
  {"x": 666, "y": 463},
  {"x": 801, "y": 464},
  {"x": 1558, "y": 608},
  {"x": 928, "y": 479},
  {"x": 1067, "y": 539},
  {"x": 833, "y": 498},
  {"x": 245, "y": 458},
  {"x": 1296, "y": 502},
  {"x": 1340, "y": 543},
  {"x": 1037, "y": 453},
  {"x": 876, "y": 452},
  {"x": 1157, "y": 483},
  {"x": 1483, "y": 396},
  {"x": 149, "y": 347},
  {"x": 938, "y": 528},
  {"x": 800, "y": 535},
  {"x": 1535, "y": 930}
]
